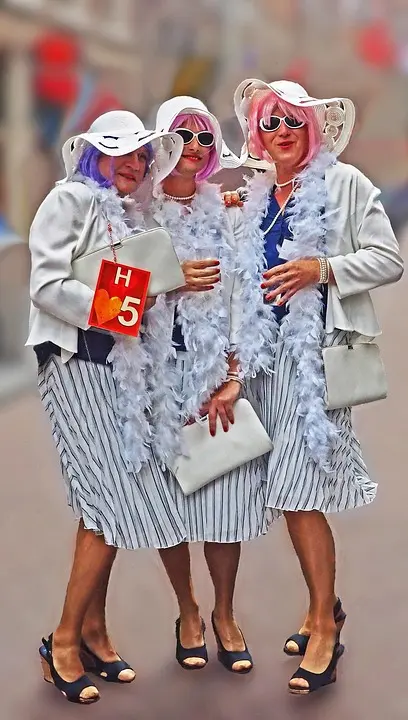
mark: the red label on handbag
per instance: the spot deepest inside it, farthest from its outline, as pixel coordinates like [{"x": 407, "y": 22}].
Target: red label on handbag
[{"x": 119, "y": 298}]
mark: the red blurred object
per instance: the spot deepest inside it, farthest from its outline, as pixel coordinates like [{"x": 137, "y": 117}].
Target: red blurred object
[
  {"x": 57, "y": 49},
  {"x": 375, "y": 45},
  {"x": 56, "y": 76},
  {"x": 59, "y": 88}
]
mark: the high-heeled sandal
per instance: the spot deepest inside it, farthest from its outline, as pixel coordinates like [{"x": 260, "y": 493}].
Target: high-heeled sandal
[
  {"x": 108, "y": 671},
  {"x": 183, "y": 654},
  {"x": 70, "y": 690},
  {"x": 316, "y": 681},
  {"x": 228, "y": 658},
  {"x": 302, "y": 640}
]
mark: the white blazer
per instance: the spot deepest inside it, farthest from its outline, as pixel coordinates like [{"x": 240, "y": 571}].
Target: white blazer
[
  {"x": 68, "y": 224},
  {"x": 363, "y": 250}
]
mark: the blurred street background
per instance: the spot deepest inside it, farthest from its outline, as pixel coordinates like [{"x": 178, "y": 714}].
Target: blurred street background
[{"x": 62, "y": 63}]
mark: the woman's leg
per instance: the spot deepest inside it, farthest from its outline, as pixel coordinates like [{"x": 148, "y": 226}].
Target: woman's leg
[
  {"x": 92, "y": 559},
  {"x": 223, "y": 561},
  {"x": 94, "y": 630},
  {"x": 314, "y": 545},
  {"x": 176, "y": 561}
]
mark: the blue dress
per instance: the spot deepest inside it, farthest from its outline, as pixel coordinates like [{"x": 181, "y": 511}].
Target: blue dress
[{"x": 273, "y": 242}]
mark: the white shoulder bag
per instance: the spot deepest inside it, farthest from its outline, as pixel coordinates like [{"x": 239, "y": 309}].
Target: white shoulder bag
[
  {"x": 210, "y": 457},
  {"x": 355, "y": 375},
  {"x": 150, "y": 250}
]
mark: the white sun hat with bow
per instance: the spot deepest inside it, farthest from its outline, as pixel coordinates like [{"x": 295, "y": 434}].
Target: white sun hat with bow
[{"x": 336, "y": 116}]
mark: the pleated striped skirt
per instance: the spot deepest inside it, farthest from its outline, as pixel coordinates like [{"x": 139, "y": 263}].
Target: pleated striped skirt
[
  {"x": 294, "y": 481},
  {"x": 229, "y": 509},
  {"x": 135, "y": 510}
]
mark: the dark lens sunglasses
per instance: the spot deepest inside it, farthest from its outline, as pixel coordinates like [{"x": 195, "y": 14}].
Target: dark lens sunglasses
[
  {"x": 204, "y": 138},
  {"x": 273, "y": 123}
]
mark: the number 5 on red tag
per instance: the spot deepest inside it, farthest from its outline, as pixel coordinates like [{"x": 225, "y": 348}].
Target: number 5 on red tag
[{"x": 119, "y": 298}]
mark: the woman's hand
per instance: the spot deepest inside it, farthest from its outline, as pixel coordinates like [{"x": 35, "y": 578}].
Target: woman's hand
[
  {"x": 232, "y": 199},
  {"x": 288, "y": 279},
  {"x": 200, "y": 275},
  {"x": 222, "y": 404}
]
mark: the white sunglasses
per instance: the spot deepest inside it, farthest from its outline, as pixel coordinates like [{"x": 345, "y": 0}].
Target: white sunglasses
[
  {"x": 273, "y": 123},
  {"x": 205, "y": 138}
]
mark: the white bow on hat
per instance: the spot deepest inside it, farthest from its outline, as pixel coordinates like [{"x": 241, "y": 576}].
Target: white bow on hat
[
  {"x": 336, "y": 116},
  {"x": 120, "y": 132},
  {"x": 170, "y": 109}
]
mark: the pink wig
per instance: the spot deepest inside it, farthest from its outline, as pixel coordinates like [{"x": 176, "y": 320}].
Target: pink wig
[
  {"x": 264, "y": 104},
  {"x": 194, "y": 121}
]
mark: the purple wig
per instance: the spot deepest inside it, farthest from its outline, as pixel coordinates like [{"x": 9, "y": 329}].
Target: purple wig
[
  {"x": 195, "y": 121},
  {"x": 88, "y": 165}
]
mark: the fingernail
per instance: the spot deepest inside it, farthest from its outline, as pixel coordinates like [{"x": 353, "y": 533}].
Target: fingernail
[{"x": 263, "y": 286}]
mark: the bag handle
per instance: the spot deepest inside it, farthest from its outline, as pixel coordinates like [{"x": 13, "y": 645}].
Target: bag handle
[{"x": 112, "y": 243}]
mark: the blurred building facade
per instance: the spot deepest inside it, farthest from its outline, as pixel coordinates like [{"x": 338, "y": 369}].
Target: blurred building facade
[
  {"x": 62, "y": 62},
  {"x": 102, "y": 46}
]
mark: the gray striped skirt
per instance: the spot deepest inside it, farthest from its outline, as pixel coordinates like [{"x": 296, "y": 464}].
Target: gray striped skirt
[
  {"x": 295, "y": 482},
  {"x": 135, "y": 510},
  {"x": 229, "y": 509}
]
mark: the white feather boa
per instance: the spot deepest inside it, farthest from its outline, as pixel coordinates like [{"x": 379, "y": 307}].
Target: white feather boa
[
  {"x": 258, "y": 331},
  {"x": 129, "y": 358},
  {"x": 198, "y": 232},
  {"x": 302, "y": 328}
]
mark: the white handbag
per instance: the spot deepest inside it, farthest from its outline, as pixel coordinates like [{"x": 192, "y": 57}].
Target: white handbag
[
  {"x": 355, "y": 375},
  {"x": 150, "y": 250},
  {"x": 210, "y": 457}
]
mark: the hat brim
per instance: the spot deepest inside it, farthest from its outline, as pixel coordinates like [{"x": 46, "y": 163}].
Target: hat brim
[
  {"x": 242, "y": 100},
  {"x": 168, "y": 144}
]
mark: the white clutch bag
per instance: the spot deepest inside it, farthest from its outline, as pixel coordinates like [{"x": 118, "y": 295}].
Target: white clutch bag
[
  {"x": 150, "y": 250},
  {"x": 355, "y": 375},
  {"x": 210, "y": 457}
]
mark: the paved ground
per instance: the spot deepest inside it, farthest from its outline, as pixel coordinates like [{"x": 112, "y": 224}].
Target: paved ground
[{"x": 36, "y": 534}]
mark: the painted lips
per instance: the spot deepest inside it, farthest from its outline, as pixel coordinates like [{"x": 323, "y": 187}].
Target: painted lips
[{"x": 128, "y": 177}]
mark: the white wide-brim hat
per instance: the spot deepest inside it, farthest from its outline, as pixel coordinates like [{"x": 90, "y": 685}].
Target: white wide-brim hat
[
  {"x": 184, "y": 104},
  {"x": 336, "y": 116},
  {"x": 120, "y": 132}
]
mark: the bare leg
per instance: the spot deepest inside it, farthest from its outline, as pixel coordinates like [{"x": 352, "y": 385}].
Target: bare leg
[
  {"x": 223, "y": 561},
  {"x": 176, "y": 561},
  {"x": 92, "y": 557},
  {"x": 94, "y": 631},
  {"x": 314, "y": 545}
]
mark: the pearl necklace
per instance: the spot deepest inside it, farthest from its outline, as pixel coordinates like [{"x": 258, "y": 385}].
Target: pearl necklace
[
  {"x": 285, "y": 184},
  {"x": 180, "y": 199}
]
